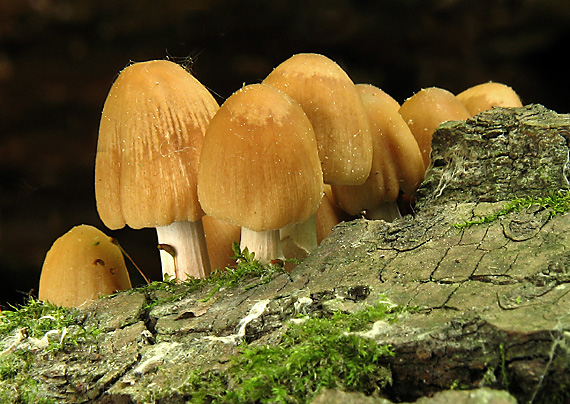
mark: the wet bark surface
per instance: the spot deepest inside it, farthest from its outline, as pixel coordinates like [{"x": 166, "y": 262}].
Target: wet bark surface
[{"x": 487, "y": 306}]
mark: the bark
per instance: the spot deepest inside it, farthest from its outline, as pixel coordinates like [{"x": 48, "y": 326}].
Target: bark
[{"x": 488, "y": 305}]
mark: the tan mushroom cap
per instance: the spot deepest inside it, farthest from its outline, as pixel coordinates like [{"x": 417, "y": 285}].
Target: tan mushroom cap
[
  {"x": 82, "y": 265},
  {"x": 426, "y": 110},
  {"x": 329, "y": 99},
  {"x": 378, "y": 93},
  {"x": 397, "y": 163},
  {"x": 485, "y": 96},
  {"x": 259, "y": 166},
  {"x": 150, "y": 139}
]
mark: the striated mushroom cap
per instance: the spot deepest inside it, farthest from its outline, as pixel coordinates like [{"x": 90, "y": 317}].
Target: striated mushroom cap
[
  {"x": 150, "y": 139},
  {"x": 259, "y": 167},
  {"x": 82, "y": 265},
  {"x": 397, "y": 163},
  {"x": 335, "y": 110}
]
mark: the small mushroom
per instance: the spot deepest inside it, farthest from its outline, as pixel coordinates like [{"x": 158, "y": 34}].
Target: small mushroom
[
  {"x": 82, "y": 265},
  {"x": 259, "y": 167},
  {"x": 397, "y": 164},
  {"x": 329, "y": 99},
  {"x": 485, "y": 96},
  {"x": 150, "y": 138},
  {"x": 426, "y": 110}
]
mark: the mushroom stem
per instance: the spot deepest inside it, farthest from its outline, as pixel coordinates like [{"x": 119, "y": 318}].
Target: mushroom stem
[
  {"x": 387, "y": 211},
  {"x": 266, "y": 244},
  {"x": 188, "y": 242}
]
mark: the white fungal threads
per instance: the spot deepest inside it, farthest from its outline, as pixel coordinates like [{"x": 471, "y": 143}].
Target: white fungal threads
[
  {"x": 164, "y": 153},
  {"x": 456, "y": 167},
  {"x": 256, "y": 311}
]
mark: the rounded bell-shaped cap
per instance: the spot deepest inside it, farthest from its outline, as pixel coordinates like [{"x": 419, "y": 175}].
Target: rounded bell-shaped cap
[
  {"x": 259, "y": 166},
  {"x": 82, "y": 265},
  {"x": 426, "y": 110},
  {"x": 150, "y": 139},
  {"x": 331, "y": 102},
  {"x": 485, "y": 96}
]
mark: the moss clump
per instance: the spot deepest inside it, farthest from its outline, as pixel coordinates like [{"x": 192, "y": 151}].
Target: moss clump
[
  {"x": 314, "y": 353},
  {"x": 247, "y": 267},
  {"x": 556, "y": 203},
  {"x": 15, "y": 386},
  {"x": 36, "y": 317},
  {"x": 35, "y": 328}
]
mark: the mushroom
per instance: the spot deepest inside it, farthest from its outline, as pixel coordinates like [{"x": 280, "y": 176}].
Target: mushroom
[
  {"x": 329, "y": 99},
  {"x": 485, "y": 96},
  {"x": 220, "y": 237},
  {"x": 397, "y": 164},
  {"x": 150, "y": 138},
  {"x": 378, "y": 93},
  {"x": 426, "y": 110},
  {"x": 259, "y": 167},
  {"x": 82, "y": 265}
]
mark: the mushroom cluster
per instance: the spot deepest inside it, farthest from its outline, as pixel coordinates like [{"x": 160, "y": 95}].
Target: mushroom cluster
[{"x": 275, "y": 167}]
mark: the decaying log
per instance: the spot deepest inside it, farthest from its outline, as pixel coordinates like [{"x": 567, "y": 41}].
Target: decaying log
[{"x": 486, "y": 306}]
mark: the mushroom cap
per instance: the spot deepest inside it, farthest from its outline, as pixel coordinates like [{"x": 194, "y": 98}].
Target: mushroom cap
[
  {"x": 426, "y": 110},
  {"x": 150, "y": 139},
  {"x": 335, "y": 110},
  {"x": 485, "y": 96},
  {"x": 378, "y": 93},
  {"x": 259, "y": 166},
  {"x": 82, "y": 265},
  {"x": 397, "y": 162}
]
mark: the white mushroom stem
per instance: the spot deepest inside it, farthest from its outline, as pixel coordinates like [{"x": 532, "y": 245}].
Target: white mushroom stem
[
  {"x": 265, "y": 244},
  {"x": 184, "y": 252},
  {"x": 387, "y": 211}
]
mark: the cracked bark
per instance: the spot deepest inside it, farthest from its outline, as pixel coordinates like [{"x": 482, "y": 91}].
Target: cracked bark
[{"x": 492, "y": 302}]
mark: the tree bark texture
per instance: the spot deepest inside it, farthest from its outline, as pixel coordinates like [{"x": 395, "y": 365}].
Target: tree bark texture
[{"x": 488, "y": 305}]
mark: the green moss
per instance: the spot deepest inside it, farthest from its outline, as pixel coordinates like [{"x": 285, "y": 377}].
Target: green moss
[
  {"x": 247, "y": 267},
  {"x": 15, "y": 384},
  {"x": 36, "y": 317},
  {"x": 503, "y": 367},
  {"x": 556, "y": 203},
  {"x": 24, "y": 332},
  {"x": 313, "y": 353}
]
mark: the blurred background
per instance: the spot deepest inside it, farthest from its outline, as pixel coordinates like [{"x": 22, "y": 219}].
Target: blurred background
[{"x": 58, "y": 59}]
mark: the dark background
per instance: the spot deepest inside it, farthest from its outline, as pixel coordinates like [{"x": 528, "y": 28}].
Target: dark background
[{"x": 59, "y": 58}]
